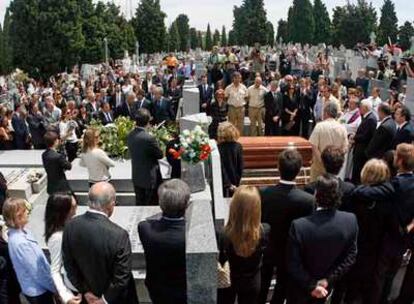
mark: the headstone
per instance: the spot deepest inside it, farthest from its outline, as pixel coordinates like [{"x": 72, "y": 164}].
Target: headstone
[
  {"x": 372, "y": 37},
  {"x": 21, "y": 158},
  {"x": 191, "y": 121},
  {"x": 191, "y": 101},
  {"x": 201, "y": 254}
]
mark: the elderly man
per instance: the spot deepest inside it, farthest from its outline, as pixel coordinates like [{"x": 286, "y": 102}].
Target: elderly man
[
  {"x": 51, "y": 112},
  {"x": 163, "y": 110},
  {"x": 236, "y": 95},
  {"x": 97, "y": 252},
  {"x": 163, "y": 240},
  {"x": 362, "y": 138},
  {"x": 255, "y": 95},
  {"x": 329, "y": 132},
  {"x": 273, "y": 107},
  {"x": 127, "y": 109}
]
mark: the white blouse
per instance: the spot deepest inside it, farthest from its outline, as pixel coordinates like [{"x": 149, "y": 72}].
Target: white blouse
[
  {"x": 62, "y": 283},
  {"x": 98, "y": 164}
]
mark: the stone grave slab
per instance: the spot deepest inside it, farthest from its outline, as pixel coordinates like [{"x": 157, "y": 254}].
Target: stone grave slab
[
  {"x": 191, "y": 101},
  {"x": 126, "y": 217},
  {"x": 201, "y": 254},
  {"x": 21, "y": 158}
]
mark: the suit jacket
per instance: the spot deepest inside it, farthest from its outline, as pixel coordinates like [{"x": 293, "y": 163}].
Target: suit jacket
[
  {"x": 205, "y": 96},
  {"x": 363, "y": 136},
  {"x": 93, "y": 111},
  {"x": 97, "y": 258},
  {"x": 37, "y": 126},
  {"x": 281, "y": 204},
  {"x": 146, "y": 104},
  {"x": 320, "y": 246},
  {"x": 55, "y": 165},
  {"x": 382, "y": 140},
  {"x": 163, "y": 111},
  {"x": 114, "y": 97},
  {"x": 104, "y": 119},
  {"x": 126, "y": 111},
  {"x": 231, "y": 155},
  {"x": 145, "y": 153},
  {"x": 273, "y": 106},
  {"x": 164, "y": 248},
  {"x": 403, "y": 135},
  {"x": 306, "y": 104},
  {"x": 21, "y": 132}
]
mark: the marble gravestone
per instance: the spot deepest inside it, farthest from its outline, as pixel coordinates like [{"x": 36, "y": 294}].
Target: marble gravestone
[
  {"x": 189, "y": 122},
  {"x": 409, "y": 99},
  {"x": 191, "y": 101},
  {"x": 21, "y": 158},
  {"x": 383, "y": 86},
  {"x": 19, "y": 186}
]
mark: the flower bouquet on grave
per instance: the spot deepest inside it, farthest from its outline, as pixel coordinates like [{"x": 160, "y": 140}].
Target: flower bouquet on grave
[{"x": 194, "y": 149}]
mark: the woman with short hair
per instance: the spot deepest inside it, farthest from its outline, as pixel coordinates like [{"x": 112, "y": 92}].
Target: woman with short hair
[
  {"x": 29, "y": 262},
  {"x": 60, "y": 208},
  {"x": 94, "y": 158},
  {"x": 231, "y": 155},
  {"x": 242, "y": 244}
]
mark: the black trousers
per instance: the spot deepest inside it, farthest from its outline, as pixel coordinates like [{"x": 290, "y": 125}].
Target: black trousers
[
  {"x": 46, "y": 298},
  {"x": 246, "y": 291},
  {"x": 407, "y": 289},
  {"x": 272, "y": 128},
  {"x": 71, "y": 150},
  {"x": 145, "y": 197}
]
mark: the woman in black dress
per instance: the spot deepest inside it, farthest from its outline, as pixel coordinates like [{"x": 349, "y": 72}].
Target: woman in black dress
[
  {"x": 231, "y": 155},
  {"x": 218, "y": 111},
  {"x": 290, "y": 117},
  {"x": 242, "y": 244}
]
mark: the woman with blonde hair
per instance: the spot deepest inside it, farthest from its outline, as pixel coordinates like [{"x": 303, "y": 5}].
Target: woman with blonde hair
[
  {"x": 242, "y": 244},
  {"x": 231, "y": 155},
  {"x": 371, "y": 203},
  {"x": 94, "y": 158}
]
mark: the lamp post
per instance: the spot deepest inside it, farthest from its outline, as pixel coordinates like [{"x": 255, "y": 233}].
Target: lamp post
[{"x": 106, "y": 50}]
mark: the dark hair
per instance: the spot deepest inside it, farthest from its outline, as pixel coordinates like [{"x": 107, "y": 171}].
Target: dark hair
[
  {"x": 385, "y": 108},
  {"x": 50, "y": 138},
  {"x": 327, "y": 192},
  {"x": 289, "y": 163},
  {"x": 406, "y": 113},
  {"x": 333, "y": 159},
  {"x": 57, "y": 210},
  {"x": 142, "y": 117}
]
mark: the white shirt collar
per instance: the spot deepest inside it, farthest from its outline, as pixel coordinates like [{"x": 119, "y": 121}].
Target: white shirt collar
[
  {"x": 385, "y": 118},
  {"x": 402, "y": 125},
  {"x": 285, "y": 182},
  {"x": 97, "y": 212}
]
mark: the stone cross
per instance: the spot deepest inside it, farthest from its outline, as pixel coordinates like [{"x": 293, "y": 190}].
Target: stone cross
[{"x": 372, "y": 37}]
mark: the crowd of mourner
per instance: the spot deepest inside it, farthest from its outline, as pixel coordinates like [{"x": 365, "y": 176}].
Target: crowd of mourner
[{"x": 341, "y": 238}]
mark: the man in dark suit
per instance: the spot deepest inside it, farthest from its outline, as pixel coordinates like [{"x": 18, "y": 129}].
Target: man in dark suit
[
  {"x": 405, "y": 130},
  {"x": 55, "y": 165},
  {"x": 97, "y": 252},
  {"x": 282, "y": 204},
  {"x": 305, "y": 106},
  {"x": 273, "y": 107},
  {"x": 163, "y": 240},
  {"x": 384, "y": 135},
  {"x": 37, "y": 127},
  {"x": 162, "y": 107},
  {"x": 145, "y": 153},
  {"x": 118, "y": 98},
  {"x": 143, "y": 103},
  {"x": 21, "y": 131},
  {"x": 105, "y": 115},
  {"x": 333, "y": 159},
  {"x": 206, "y": 95},
  {"x": 127, "y": 109},
  {"x": 362, "y": 138},
  {"x": 321, "y": 247}
]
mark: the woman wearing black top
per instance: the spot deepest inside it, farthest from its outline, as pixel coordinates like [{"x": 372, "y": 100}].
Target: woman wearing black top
[
  {"x": 218, "y": 109},
  {"x": 231, "y": 155},
  {"x": 290, "y": 117},
  {"x": 83, "y": 118},
  {"x": 242, "y": 244}
]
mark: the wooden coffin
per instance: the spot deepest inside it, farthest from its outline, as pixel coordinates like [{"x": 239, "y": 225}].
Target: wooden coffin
[{"x": 262, "y": 152}]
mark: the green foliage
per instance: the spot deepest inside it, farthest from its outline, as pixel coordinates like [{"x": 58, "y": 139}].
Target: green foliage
[
  {"x": 173, "y": 38},
  {"x": 223, "y": 36},
  {"x": 322, "y": 32},
  {"x": 149, "y": 26},
  {"x": 270, "y": 31},
  {"x": 282, "y": 31},
  {"x": 232, "y": 38},
  {"x": 199, "y": 40},
  {"x": 301, "y": 22},
  {"x": 163, "y": 134},
  {"x": 388, "y": 25},
  {"x": 250, "y": 22},
  {"x": 193, "y": 38},
  {"x": 216, "y": 37},
  {"x": 208, "y": 40},
  {"x": 183, "y": 31},
  {"x": 405, "y": 34}
]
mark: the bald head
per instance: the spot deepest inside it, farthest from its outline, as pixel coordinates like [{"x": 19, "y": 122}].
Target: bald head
[{"x": 102, "y": 197}]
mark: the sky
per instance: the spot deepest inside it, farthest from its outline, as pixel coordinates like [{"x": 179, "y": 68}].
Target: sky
[{"x": 220, "y": 12}]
